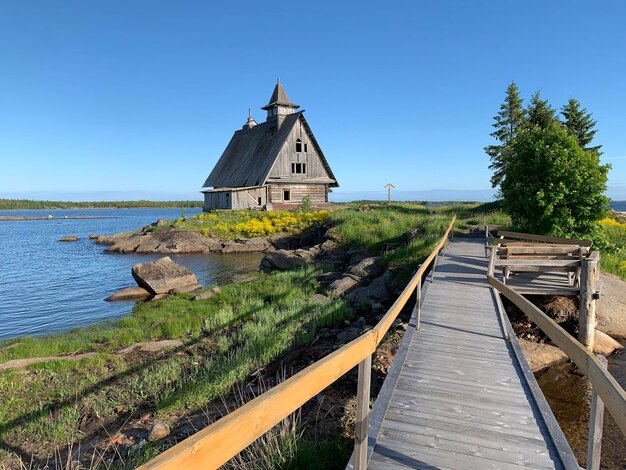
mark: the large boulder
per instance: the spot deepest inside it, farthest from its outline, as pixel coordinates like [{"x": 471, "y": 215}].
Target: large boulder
[
  {"x": 376, "y": 291},
  {"x": 611, "y": 307},
  {"x": 161, "y": 241},
  {"x": 282, "y": 260},
  {"x": 541, "y": 356},
  {"x": 604, "y": 344},
  {"x": 130, "y": 293},
  {"x": 245, "y": 245},
  {"x": 342, "y": 286},
  {"x": 162, "y": 276},
  {"x": 366, "y": 268}
]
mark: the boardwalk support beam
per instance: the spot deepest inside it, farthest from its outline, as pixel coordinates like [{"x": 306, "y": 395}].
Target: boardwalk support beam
[
  {"x": 362, "y": 413},
  {"x": 596, "y": 420}
]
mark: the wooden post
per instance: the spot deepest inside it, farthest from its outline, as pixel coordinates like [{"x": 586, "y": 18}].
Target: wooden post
[
  {"x": 587, "y": 307},
  {"x": 362, "y": 412},
  {"x": 492, "y": 260},
  {"x": 596, "y": 420}
]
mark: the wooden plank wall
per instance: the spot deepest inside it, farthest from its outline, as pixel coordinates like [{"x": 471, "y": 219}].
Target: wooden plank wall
[
  {"x": 288, "y": 155},
  {"x": 317, "y": 192},
  {"x": 214, "y": 201}
]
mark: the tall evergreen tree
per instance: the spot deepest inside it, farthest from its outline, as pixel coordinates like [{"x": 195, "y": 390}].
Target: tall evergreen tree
[
  {"x": 506, "y": 123},
  {"x": 580, "y": 124},
  {"x": 539, "y": 112}
]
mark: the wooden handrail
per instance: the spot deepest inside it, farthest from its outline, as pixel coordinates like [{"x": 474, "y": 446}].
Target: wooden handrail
[
  {"x": 611, "y": 393},
  {"x": 544, "y": 238},
  {"x": 218, "y": 443}
]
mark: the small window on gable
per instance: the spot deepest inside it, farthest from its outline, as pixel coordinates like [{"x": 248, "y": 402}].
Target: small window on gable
[
  {"x": 298, "y": 168},
  {"x": 306, "y": 149},
  {"x": 298, "y": 145},
  {"x": 286, "y": 195}
]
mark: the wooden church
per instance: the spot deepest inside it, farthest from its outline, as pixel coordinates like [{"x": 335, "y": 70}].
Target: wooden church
[{"x": 272, "y": 165}]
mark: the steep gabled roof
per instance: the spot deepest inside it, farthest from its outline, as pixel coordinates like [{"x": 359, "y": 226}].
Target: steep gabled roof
[{"x": 251, "y": 154}]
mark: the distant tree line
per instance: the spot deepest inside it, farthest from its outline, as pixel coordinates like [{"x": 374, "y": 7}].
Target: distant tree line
[
  {"x": 10, "y": 204},
  {"x": 545, "y": 167}
]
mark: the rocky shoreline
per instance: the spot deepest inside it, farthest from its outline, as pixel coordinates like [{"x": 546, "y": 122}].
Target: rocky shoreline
[{"x": 359, "y": 278}]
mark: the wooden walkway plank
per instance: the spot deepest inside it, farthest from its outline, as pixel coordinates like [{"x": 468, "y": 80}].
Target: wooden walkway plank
[{"x": 461, "y": 397}]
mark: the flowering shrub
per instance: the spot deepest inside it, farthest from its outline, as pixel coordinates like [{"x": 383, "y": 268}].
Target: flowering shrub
[
  {"x": 608, "y": 222},
  {"x": 249, "y": 224}
]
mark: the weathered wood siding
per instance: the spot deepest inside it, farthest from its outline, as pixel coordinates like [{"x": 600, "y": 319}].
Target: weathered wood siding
[
  {"x": 219, "y": 200},
  {"x": 288, "y": 155},
  {"x": 317, "y": 192},
  {"x": 243, "y": 199}
]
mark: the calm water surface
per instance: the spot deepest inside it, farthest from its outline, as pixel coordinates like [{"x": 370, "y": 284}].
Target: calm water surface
[{"x": 48, "y": 286}]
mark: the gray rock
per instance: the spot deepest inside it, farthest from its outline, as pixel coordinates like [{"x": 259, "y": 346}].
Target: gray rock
[
  {"x": 69, "y": 238},
  {"x": 604, "y": 344},
  {"x": 247, "y": 245},
  {"x": 280, "y": 243},
  {"x": 376, "y": 291},
  {"x": 366, "y": 268},
  {"x": 208, "y": 294},
  {"x": 349, "y": 334},
  {"x": 158, "y": 431},
  {"x": 282, "y": 260},
  {"x": 357, "y": 256},
  {"x": 327, "y": 278},
  {"x": 320, "y": 298},
  {"x": 162, "y": 275},
  {"x": 130, "y": 293},
  {"x": 183, "y": 289},
  {"x": 342, "y": 286},
  {"x": 541, "y": 356},
  {"x": 611, "y": 307},
  {"x": 92, "y": 236},
  {"x": 161, "y": 241},
  {"x": 411, "y": 235}
]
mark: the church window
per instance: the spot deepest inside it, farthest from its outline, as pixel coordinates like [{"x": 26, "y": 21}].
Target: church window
[
  {"x": 298, "y": 168},
  {"x": 298, "y": 145}
]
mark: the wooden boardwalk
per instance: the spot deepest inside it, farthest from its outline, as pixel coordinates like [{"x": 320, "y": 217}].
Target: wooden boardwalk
[{"x": 460, "y": 395}]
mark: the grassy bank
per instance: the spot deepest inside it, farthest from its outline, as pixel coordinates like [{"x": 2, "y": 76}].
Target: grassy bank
[
  {"x": 225, "y": 339},
  {"x": 25, "y": 204}
]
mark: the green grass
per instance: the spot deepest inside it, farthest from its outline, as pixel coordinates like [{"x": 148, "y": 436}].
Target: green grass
[{"x": 228, "y": 336}]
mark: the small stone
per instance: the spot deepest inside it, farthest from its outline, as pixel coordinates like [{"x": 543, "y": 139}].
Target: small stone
[
  {"x": 69, "y": 238},
  {"x": 208, "y": 294},
  {"x": 92, "y": 236},
  {"x": 158, "y": 431}
]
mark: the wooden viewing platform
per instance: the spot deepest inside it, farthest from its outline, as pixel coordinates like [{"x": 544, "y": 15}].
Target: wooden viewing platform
[{"x": 459, "y": 394}]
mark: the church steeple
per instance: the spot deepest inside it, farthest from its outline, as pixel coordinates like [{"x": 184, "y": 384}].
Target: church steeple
[{"x": 279, "y": 106}]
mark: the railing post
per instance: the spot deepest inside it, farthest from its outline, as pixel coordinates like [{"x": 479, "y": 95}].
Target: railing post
[
  {"x": 362, "y": 412},
  {"x": 587, "y": 307},
  {"x": 418, "y": 304},
  {"x": 596, "y": 420}
]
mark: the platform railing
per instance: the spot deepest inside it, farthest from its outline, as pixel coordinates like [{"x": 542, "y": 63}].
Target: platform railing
[
  {"x": 218, "y": 443},
  {"x": 605, "y": 389}
]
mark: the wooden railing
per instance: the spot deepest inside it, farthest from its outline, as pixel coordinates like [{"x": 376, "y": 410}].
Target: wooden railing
[
  {"x": 218, "y": 443},
  {"x": 606, "y": 390}
]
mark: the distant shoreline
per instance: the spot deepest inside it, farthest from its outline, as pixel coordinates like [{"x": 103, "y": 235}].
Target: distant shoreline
[
  {"x": 13, "y": 218},
  {"x": 27, "y": 204}
]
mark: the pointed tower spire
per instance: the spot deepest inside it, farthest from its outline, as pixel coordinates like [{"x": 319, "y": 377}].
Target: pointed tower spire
[
  {"x": 279, "y": 106},
  {"x": 250, "y": 123}
]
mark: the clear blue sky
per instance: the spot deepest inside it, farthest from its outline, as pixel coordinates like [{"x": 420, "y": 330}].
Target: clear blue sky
[{"x": 140, "y": 98}]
